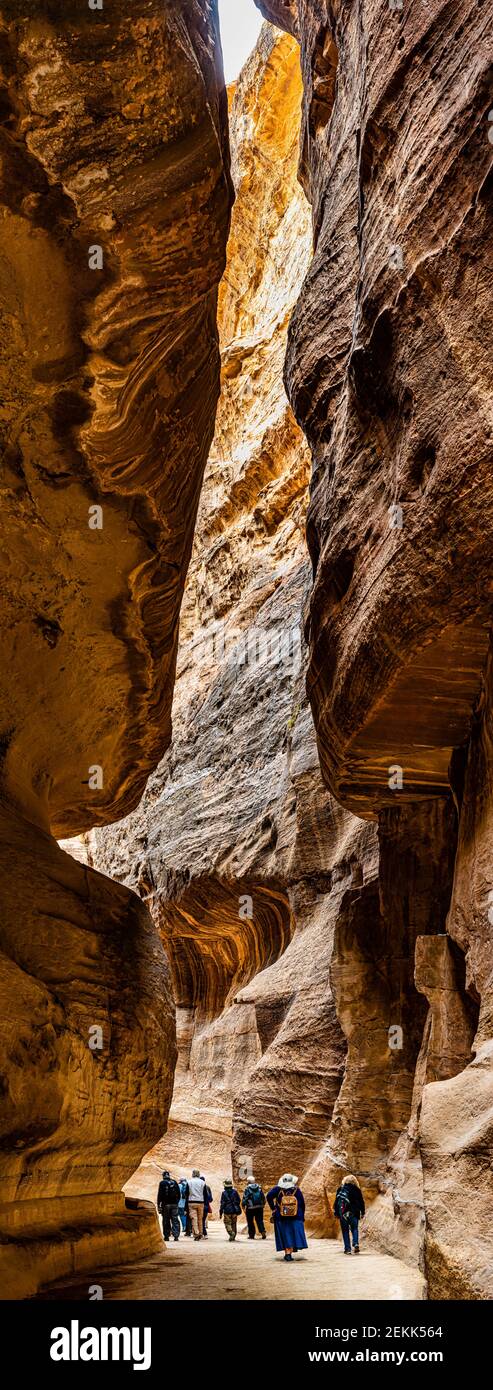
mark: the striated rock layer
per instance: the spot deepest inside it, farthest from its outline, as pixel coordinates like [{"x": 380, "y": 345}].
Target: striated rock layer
[
  {"x": 290, "y": 930},
  {"x": 241, "y": 854},
  {"x": 114, "y": 135},
  {"x": 389, "y": 374},
  {"x": 333, "y": 974},
  {"x": 114, "y": 208}
]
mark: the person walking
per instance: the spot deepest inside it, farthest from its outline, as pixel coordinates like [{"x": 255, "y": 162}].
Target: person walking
[
  {"x": 167, "y": 1204},
  {"x": 253, "y": 1203},
  {"x": 287, "y": 1204},
  {"x": 207, "y": 1207},
  {"x": 183, "y": 1204},
  {"x": 196, "y": 1198},
  {"x": 349, "y": 1206},
  {"x": 230, "y": 1207}
]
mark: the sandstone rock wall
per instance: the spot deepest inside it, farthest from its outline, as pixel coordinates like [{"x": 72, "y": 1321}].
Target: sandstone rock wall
[
  {"x": 241, "y": 854},
  {"x": 332, "y": 970},
  {"x": 389, "y": 374},
  {"x": 115, "y": 197},
  {"x": 290, "y": 960}
]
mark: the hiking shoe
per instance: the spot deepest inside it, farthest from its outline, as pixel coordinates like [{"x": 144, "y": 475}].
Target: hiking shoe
[
  {"x": 355, "y": 1249},
  {"x": 288, "y": 1257},
  {"x": 346, "y": 1252}
]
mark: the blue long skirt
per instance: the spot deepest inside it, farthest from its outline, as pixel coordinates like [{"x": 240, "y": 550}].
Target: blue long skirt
[{"x": 290, "y": 1233}]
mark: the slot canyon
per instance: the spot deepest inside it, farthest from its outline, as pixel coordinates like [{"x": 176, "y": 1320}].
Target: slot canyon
[{"x": 247, "y": 514}]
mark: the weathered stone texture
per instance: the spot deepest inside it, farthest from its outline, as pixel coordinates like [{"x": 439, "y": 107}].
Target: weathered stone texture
[
  {"x": 389, "y": 372},
  {"x": 114, "y": 136},
  {"x": 456, "y": 1130},
  {"x": 334, "y": 978},
  {"x": 237, "y": 816}
]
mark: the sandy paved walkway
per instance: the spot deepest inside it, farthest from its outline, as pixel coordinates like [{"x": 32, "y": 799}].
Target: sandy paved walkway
[{"x": 217, "y": 1269}]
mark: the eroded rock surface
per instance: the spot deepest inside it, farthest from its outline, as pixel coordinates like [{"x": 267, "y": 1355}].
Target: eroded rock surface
[
  {"x": 389, "y": 374},
  {"x": 242, "y": 855},
  {"x": 114, "y": 135},
  {"x": 334, "y": 982},
  {"x": 114, "y": 207},
  {"x": 456, "y": 1133}
]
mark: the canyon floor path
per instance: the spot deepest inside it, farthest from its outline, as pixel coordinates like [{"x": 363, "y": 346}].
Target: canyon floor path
[{"x": 216, "y": 1269}]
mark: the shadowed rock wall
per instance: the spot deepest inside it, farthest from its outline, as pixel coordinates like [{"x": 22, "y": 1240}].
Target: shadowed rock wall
[
  {"x": 389, "y": 373},
  {"x": 115, "y": 198}
]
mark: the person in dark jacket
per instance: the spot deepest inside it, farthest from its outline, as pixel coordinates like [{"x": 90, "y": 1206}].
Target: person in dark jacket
[
  {"x": 230, "y": 1207},
  {"x": 253, "y": 1203},
  {"x": 349, "y": 1206},
  {"x": 167, "y": 1204},
  {"x": 287, "y": 1204},
  {"x": 183, "y": 1205},
  {"x": 207, "y": 1206}
]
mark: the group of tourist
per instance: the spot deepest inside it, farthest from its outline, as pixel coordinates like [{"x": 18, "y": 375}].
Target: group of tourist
[{"x": 185, "y": 1206}]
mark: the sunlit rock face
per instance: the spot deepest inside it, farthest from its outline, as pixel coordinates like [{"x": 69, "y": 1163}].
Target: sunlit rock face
[
  {"x": 282, "y": 1113},
  {"x": 389, "y": 374},
  {"x": 239, "y": 850},
  {"x": 115, "y": 198}
]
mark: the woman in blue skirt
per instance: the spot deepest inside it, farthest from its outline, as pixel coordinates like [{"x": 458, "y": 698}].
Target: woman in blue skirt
[{"x": 287, "y": 1204}]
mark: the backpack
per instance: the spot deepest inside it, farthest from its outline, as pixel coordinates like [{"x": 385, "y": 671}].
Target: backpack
[
  {"x": 343, "y": 1205},
  {"x": 288, "y": 1204},
  {"x": 255, "y": 1197},
  {"x": 171, "y": 1192}
]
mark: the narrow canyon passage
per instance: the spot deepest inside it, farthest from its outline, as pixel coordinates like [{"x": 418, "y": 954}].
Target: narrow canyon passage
[
  {"x": 250, "y": 1270},
  {"x": 246, "y": 751}
]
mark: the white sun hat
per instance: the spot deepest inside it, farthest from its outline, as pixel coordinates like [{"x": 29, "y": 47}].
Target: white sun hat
[{"x": 288, "y": 1180}]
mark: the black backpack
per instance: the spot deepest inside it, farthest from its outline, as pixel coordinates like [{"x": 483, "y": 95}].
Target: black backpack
[
  {"x": 170, "y": 1192},
  {"x": 343, "y": 1205}
]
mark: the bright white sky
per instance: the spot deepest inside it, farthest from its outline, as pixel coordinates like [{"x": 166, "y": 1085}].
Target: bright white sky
[{"x": 241, "y": 23}]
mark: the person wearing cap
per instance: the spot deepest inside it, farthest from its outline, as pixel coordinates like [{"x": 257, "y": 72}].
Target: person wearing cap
[
  {"x": 167, "y": 1204},
  {"x": 287, "y": 1205},
  {"x": 230, "y": 1207},
  {"x": 253, "y": 1203}
]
